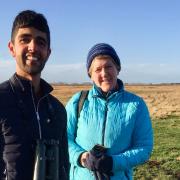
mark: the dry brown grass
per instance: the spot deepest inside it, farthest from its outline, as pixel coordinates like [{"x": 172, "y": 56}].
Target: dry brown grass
[{"x": 162, "y": 100}]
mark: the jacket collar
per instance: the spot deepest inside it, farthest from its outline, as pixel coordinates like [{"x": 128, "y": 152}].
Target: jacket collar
[{"x": 24, "y": 85}]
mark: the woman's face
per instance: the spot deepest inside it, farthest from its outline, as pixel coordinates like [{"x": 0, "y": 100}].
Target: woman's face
[{"x": 104, "y": 73}]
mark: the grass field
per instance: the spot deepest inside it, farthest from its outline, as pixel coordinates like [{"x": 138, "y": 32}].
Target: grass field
[
  {"x": 164, "y": 163},
  {"x": 164, "y": 105},
  {"x": 162, "y": 100}
]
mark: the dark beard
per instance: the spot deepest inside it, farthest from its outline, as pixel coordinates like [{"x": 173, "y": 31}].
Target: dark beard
[
  {"x": 34, "y": 71},
  {"x": 30, "y": 69}
]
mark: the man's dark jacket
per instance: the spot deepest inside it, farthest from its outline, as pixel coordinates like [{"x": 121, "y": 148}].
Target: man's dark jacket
[{"x": 23, "y": 120}]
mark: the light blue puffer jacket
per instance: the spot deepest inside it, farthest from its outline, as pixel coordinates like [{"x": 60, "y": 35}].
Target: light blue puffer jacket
[{"x": 121, "y": 123}]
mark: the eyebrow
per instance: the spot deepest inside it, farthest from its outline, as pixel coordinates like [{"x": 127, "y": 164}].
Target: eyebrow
[
  {"x": 29, "y": 35},
  {"x": 24, "y": 35}
]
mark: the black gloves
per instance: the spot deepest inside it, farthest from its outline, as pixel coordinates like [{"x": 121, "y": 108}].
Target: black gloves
[
  {"x": 100, "y": 163},
  {"x": 104, "y": 164},
  {"x": 89, "y": 163}
]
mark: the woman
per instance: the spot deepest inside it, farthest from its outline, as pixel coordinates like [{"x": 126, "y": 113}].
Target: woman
[{"x": 113, "y": 120}]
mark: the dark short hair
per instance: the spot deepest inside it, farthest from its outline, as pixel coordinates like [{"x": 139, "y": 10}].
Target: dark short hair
[{"x": 29, "y": 18}]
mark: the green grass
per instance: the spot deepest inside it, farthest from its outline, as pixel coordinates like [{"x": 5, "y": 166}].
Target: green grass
[{"x": 163, "y": 163}]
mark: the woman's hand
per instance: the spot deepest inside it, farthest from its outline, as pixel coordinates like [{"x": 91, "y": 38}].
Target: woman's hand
[
  {"x": 103, "y": 164},
  {"x": 83, "y": 158},
  {"x": 87, "y": 160}
]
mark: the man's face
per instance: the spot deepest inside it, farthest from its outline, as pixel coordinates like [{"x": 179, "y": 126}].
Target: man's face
[
  {"x": 104, "y": 74},
  {"x": 30, "y": 50}
]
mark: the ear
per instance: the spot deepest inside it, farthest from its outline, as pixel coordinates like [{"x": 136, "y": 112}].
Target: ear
[
  {"x": 90, "y": 77},
  {"x": 48, "y": 53},
  {"x": 11, "y": 48},
  {"x": 118, "y": 72},
  {"x": 118, "y": 69}
]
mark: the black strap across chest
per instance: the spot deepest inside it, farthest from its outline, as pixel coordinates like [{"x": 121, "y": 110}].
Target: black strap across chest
[
  {"x": 82, "y": 98},
  {"x": 80, "y": 104}
]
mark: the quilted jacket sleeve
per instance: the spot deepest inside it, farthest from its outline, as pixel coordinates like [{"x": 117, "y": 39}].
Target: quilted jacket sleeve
[
  {"x": 142, "y": 142},
  {"x": 74, "y": 149}
]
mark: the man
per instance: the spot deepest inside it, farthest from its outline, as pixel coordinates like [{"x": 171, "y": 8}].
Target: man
[{"x": 32, "y": 121}]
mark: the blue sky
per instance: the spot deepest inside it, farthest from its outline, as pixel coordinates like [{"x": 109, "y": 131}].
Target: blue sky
[{"x": 145, "y": 34}]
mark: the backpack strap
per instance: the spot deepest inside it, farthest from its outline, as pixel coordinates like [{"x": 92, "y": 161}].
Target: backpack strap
[
  {"x": 80, "y": 103},
  {"x": 82, "y": 98}
]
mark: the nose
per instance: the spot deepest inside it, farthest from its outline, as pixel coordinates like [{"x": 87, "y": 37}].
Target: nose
[
  {"x": 104, "y": 72},
  {"x": 32, "y": 47}
]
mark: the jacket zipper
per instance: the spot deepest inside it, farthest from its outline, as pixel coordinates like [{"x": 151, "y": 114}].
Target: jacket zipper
[
  {"x": 36, "y": 111},
  {"x": 5, "y": 173},
  {"x": 104, "y": 124}
]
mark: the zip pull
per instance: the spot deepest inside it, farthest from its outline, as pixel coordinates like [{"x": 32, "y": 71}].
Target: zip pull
[
  {"x": 39, "y": 125},
  {"x": 37, "y": 115},
  {"x": 104, "y": 122},
  {"x": 106, "y": 106}
]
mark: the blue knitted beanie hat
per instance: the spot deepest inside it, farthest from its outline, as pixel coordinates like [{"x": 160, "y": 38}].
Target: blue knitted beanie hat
[{"x": 102, "y": 49}]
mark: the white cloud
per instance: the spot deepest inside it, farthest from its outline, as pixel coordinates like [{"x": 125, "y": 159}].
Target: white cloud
[
  {"x": 76, "y": 73},
  {"x": 151, "y": 73},
  {"x": 69, "y": 73}
]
